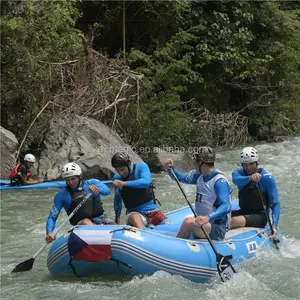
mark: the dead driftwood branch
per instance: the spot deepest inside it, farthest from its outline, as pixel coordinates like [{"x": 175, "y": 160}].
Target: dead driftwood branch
[
  {"x": 116, "y": 101},
  {"x": 226, "y": 129},
  {"x": 31, "y": 124},
  {"x": 92, "y": 86}
]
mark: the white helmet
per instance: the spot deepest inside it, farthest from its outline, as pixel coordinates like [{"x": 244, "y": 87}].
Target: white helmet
[
  {"x": 71, "y": 169},
  {"x": 29, "y": 157},
  {"x": 249, "y": 155}
]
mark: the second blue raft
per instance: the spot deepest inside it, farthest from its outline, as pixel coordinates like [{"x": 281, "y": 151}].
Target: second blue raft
[{"x": 59, "y": 184}]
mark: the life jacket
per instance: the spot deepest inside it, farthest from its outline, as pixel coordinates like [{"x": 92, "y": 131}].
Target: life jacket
[
  {"x": 15, "y": 175},
  {"x": 133, "y": 197},
  {"x": 92, "y": 208},
  {"x": 206, "y": 197},
  {"x": 249, "y": 198},
  {"x": 14, "y": 172}
]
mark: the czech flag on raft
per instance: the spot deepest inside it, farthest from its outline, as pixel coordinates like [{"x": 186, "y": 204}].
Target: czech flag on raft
[{"x": 90, "y": 245}]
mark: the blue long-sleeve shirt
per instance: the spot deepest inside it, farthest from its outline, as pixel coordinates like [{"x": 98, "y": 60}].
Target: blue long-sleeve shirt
[
  {"x": 63, "y": 200},
  {"x": 267, "y": 185},
  {"x": 221, "y": 187},
  {"x": 143, "y": 179}
]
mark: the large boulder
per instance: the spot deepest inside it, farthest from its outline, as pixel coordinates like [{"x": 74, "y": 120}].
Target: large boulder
[
  {"x": 88, "y": 142},
  {"x": 9, "y": 146},
  {"x": 156, "y": 158}
]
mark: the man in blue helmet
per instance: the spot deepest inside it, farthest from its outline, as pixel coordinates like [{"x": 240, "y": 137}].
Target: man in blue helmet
[{"x": 133, "y": 186}]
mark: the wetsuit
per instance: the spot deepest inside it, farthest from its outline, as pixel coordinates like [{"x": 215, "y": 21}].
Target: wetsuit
[
  {"x": 138, "y": 195},
  {"x": 250, "y": 200},
  {"x": 63, "y": 199}
]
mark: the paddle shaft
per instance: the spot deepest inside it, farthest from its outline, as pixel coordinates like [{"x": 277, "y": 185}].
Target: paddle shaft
[
  {"x": 267, "y": 215},
  {"x": 56, "y": 230},
  {"x": 191, "y": 207}
]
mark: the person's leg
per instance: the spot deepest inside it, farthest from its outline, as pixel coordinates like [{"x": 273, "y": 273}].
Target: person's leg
[
  {"x": 217, "y": 232},
  {"x": 189, "y": 226},
  {"x": 237, "y": 222},
  {"x": 241, "y": 219},
  {"x": 198, "y": 232},
  {"x": 107, "y": 221},
  {"x": 103, "y": 220},
  {"x": 237, "y": 219},
  {"x": 85, "y": 221},
  {"x": 155, "y": 218},
  {"x": 186, "y": 228},
  {"x": 137, "y": 220},
  {"x": 258, "y": 220}
]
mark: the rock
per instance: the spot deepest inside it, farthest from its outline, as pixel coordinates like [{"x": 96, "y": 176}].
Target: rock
[
  {"x": 85, "y": 141},
  {"x": 156, "y": 159},
  {"x": 9, "y": 147},
  {"x": 271, "y": 134}
]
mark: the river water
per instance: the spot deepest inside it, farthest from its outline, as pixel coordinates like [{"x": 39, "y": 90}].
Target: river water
[{"x": 272, "y": 275}]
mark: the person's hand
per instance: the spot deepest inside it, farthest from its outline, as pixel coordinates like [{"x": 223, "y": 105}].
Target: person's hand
[
  {"x": 93, "y": 189},
  {"x": 169, "y": 164},
  {"x": 50, "y": 237},
  {"x": 202, "y": 220},
  {"x": 119, "y": 183},
  {"x": 275, "y": 235},
  {"x": 40, "y": 180},
  {"x": 255, "y": 177},
  {"x": 117, "y": 220}
]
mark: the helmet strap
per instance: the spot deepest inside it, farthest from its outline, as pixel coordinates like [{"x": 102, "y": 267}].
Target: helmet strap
[
  {"x": 128, "y": 167},
  {"x": 201, "y": 164}
]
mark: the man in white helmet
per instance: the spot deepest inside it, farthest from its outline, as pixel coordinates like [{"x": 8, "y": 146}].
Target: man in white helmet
[
  {"x": 76, "y": 189},
  {"x": 21, "y": 174},
  {"x": 249, "y": 178}
]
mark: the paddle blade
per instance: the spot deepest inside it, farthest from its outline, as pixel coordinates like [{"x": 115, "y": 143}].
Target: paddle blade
[
  {"x": 24, "y": 266},
  {"x": 225, "y": 268},
  {"x": 276, "y": 242}
]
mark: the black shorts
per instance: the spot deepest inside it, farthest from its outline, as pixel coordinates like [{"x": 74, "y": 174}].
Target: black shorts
[{"x": 258, "y": 219}]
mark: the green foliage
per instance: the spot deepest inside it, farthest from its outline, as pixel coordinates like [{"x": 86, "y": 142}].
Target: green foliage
[
  {"x": 226, "y": 56},
  {"x": 33, "y": 35},
  {"x": 149, "y": 24}
]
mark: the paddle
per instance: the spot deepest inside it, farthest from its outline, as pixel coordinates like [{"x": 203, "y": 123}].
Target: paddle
[
  {"x": 224, "y": 267},
  {"x": 275, "y": 241},
  {"x": 27, "y": 264}
]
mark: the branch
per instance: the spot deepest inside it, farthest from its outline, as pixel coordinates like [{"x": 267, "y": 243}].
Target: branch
[
  {"x": 110, "y": 106},
  {"x": 68, "y": 62},
  {"x": 117, "y": 101},
  {"x": 27, "y": 132}
]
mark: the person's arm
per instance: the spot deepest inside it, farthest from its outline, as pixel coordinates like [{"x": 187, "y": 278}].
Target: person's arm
[
  {"x": 25, "y": 180},
  {"x": 270, "y": 184},
  {"x": 54, "y": 213},
  {"x": 117, "y": 205},
  {"x": 103, "y": 189},
  {"x": 144, "y": 177},
  {"x": 185, "y": 178},
  {"x": 30, "y": 181},
  {"x": 238, "y": 177},
  {"x": 222, "y": 190}
]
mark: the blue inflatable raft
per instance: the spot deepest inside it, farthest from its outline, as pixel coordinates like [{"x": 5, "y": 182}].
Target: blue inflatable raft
[
  {"x": 5, "y": 185},
  {"x": 88, "y": 251}
]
